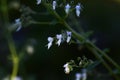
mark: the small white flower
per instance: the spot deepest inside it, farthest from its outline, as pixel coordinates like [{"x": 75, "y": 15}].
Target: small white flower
[
  {"x": 18, "y": 24},
  {"x": 38, "y": 2},
  {"x": 78, "y": 76},
  {"x": 67, "y": 8},
  {"x": 78, "y": 8},
  {"x": 67, "y": 69},
  {"x": 59, "y": 37},
  {"x": 50, "y": 40},
  {"x": 54, "y": 5},
  {"x": 68, "y": 36}
]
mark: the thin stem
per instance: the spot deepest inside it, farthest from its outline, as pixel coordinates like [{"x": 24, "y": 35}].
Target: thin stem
[
  {"x": 14, "y": 56},
  {"x": 46, "y": 23},
  {"x": 76, "y": 23},
  {"x": 9, "y": 39},
  {"x": 15, "y": 67},
  {"x": 102, "y": 60},
  {"x": 104, "y": 54},
  {"x": 43, "y": 23},
  {"x": 4, "y": 11}
]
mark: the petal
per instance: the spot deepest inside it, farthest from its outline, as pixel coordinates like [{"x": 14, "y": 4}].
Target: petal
[
  {"x": 38, "y": 2},
  {"x": 49, "y": 45},
  {"x": 68, "y": 39},
  {"x": 50, "y": 39},
  {"x": 78, "y": 13},
  {"x": 54, "y": 5},
  {"x": 58, "y": 42}
]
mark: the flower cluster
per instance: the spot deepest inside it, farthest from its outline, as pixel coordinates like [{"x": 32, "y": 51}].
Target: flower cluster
[
  {"x": 81, "y": 63},
  {"x": 81, "y": 76},
  {"x": 77, "y": 8},
  {"x": 59, "y": 39},
  {"x": 67, "y": 7}
]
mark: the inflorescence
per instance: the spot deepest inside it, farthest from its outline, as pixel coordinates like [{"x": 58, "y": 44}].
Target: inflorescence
[
  {"x": 59, "y": 39},
  {"x": 67, "y": 7}
]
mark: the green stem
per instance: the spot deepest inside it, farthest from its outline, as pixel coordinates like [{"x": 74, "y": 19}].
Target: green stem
[
  {"x": 102, "y": 60},
  {"x": 46, "y": 23},
  {"x": 43, "y": 23},
  {"x": 9, "y": 39},
  {"x": 4, "y": 11},
  {"x": 104, "y": 54},
  {"x": 15, "y": 58},
  {"x": 15, "y": 67}
]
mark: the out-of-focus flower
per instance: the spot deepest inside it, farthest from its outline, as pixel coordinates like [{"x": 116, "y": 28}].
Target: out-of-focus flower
[
  {"x": 18, "y": 24},
  {"x": 67, "y": 68},
  {"x": 15, "y": 78},
  {"x": 14, "y": 5},
  {"x": 78, "y": 8},
  {"x": 38, "y": 2},
  {"x": 59, "y": 38},
  {"x": 30, "y": 49},
  {"x": 50, "y": 40},
  {"x": 78, "y": 76},
  {"x": 67, "y": 8},
  {"x": 84, "y": 74},
  {"x": 54, "y": 5},
  {"x": 68, "y": 36}
]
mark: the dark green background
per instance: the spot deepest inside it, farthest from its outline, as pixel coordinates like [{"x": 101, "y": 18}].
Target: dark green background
[{"x": 100, "y": 16}]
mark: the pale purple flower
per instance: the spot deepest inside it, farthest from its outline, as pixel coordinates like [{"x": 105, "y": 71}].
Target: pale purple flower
[
  {"x": 78, "y": 8},
  {"x": 38, "y": 2},
  {"x": 68, "y": 36},
  {"x": 54, "y": 4},
  {"x": 78, "y": 76},
  {"x": 59, "y": 39},
  {"x": 67, "y": 8},
  {"x": 50, "y": 40}
]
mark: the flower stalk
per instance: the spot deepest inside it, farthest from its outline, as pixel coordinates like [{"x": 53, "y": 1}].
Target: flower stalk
[
  {"x": 11, "y": 45},
  {"x": 88, "y": 43}
]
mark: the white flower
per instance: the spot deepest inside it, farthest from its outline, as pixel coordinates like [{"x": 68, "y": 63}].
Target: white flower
[
  {"x": 18, "y": 24},
  {"x": 54, "y": 5},
  {"x": 67, "y": 8},
  {"x": 68, "y": 36},
  {"x": 78, "y": 8},
  {"x": 78, "y": 76},
  {"x": 59, "y": 37},
  {"x": 50, "y": 40},
  {"x": 38, "y": 2},
  {"x": 67, "y": 69}
]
